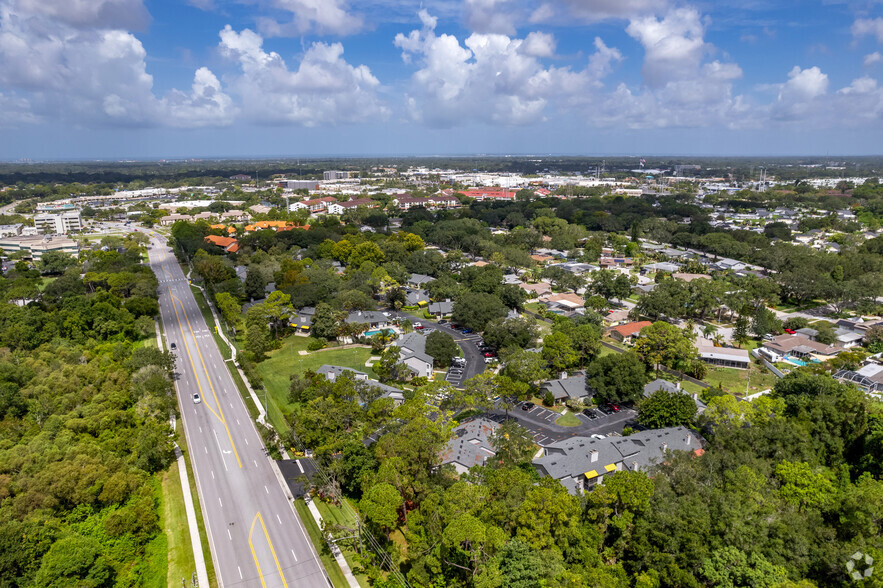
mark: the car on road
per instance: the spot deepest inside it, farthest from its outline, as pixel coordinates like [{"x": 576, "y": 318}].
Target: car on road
[
  {"x": 196, "y": 399},
  {"x": 418, "y": 326},
  {"x": 442, "y": 321},
  {"x": 173, "y": 346},
  {"x": 590, "y": 413},
  {"x": 527, "y": 406}
]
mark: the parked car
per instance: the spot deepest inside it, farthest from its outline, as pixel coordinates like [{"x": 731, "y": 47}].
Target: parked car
[
  {"x": 490, "y": 354},
  {"x": 442, "y": 322},
  {"x": 196, "y": 399},
  {"x": 597, "y": 436},
  {"x": 418, "y": 326},
  {"x": 790, "y": 331},
  {"x": 466, "y": 331},
  {"x": 613, "y": 407},
  {"x": 455, "y": 326},
  {"x": 527, "y": 406},
  {"x": 590, "y": 413},
  {"x": 605, "y": 409}
]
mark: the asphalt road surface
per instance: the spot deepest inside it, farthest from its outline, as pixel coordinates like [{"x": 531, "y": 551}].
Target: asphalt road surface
[
  {"x": 540, "y": 422},
  {"x": 474, "y": 359},
  {"x": 256, "y": 537}
]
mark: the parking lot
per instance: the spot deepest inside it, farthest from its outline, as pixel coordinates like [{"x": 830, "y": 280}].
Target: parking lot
[{"x": 540, "y": 422}]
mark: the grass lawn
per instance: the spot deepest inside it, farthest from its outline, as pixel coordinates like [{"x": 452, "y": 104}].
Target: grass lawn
[
  {"x": 342, "y": 516},
  {"x": 282, "y": 363},
  {"x": 734, "y": 381},
  {"x": 328, "y": 561},
  {"x": 606, "y": 351},
  {"x": 568, "y": 420},
  {"x": 174, "y": 522},
  {"x": 45, "y": 282}
]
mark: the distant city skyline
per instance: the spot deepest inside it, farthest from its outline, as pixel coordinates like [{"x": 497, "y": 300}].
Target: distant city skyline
[{"x": 152, "y": 79}]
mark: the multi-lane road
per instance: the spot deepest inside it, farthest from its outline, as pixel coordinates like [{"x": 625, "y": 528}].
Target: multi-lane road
[{"x": 255, "y": 535}]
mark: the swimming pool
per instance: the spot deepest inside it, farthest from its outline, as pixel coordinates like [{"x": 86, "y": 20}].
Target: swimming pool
[
  {"x": 379, "y": 331},
  {"x": 800, "y": 362}
]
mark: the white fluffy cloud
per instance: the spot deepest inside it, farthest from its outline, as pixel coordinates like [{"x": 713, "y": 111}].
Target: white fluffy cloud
[
  {"x": 327, "y": 17},
  {"x": 872, "y": 58},
  {"x": 492, "y": 16},
  {"x": 674, "y": 46},
  {"x": 324, "y": 89},
  {"x": 92, "y": 14},
  {"x": 594, "y": 10},
  {"x": 492, "y": 77},
  {"x": 868, "y": 26},
  {"x": 93, "y": 76}
]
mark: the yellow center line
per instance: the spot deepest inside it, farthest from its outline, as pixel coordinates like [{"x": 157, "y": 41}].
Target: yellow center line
[
  {"x": 253, "y": 554},
  {"x": 221, "y": 418},
  {"x": 193, "y": 365},
  {"x": 258, "y": 517}
]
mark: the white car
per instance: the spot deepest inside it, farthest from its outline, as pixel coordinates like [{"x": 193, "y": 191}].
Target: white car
[{"x": 196, "y": 399}]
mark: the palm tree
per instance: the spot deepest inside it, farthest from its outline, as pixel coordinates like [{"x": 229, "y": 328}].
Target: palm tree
[{"x": 708, "y": 330}]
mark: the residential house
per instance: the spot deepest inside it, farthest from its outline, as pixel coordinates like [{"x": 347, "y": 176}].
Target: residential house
[
  {"x": 419, "y": 280},
  {"x": 228, "y": 244},
  {"x": 302, "y": 321},
  {"x": 580, "y": 463},
  {"x": 413, "y": 354},
  {"x": 470, "y": 445},
  {"x": 489, "y": 194},
  {"x": 235, "y": 216},
  {"x": 616, "y": 317},
  {"x": 660, "y": 384},
  {"x": 868, "y": 378},
  {"x": 332, "y": 372},
  {"x": 339, "y": 208},
  {"x": 374, "y": 319},
  {"x": 542, "y": 259},
  {"x": 416, "y": 297},
  {"x": 662, "y": 266},
  {"x": 536, "y": 290},
  {"x": 260, "y": 209},
  {"x": 689, "y": 277},
  {"x": 808, "y": 332},
  {"x": 628, "y": 332},
  {"x": 441, "y": 309},
  {"x": 567, "y": 302},
  {"x": 800, "y": 347},
  {"x": 723, "y": 356},
  {"x": 315, "y": 206},
  {"x": 567, "y": 388}
]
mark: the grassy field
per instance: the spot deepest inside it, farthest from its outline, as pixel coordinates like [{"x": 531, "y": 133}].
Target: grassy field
[
  {"x": 337, "y": 515},
  {"x": 328, "y": 561},
  {"x": 282, "y": 363},
  {"x": 174, "y": 522},
  {"x": 568, "y": 420},
  {"x": 734, "y": 381}
]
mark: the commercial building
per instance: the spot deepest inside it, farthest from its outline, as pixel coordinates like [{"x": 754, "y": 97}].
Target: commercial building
[
  {"x": 332, "y": 175},
  {"x": 39, "y": 244},
  {"x": 60, "y": 223}
]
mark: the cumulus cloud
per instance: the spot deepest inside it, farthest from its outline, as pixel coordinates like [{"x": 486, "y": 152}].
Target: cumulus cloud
[
  {"x": 91, "y": 76},
  {"x": 801, "y": 95},
  {"x": 324, "y": 89},
  {"x": 872, "y": 58},
  {"x": 92, "y": 14},
  {"x": 493, "y": 77},
  {"x": 673, "y": 46},
  {"x": 325, "y": 17},
  {"x": 868, "y": 26},
  {"x": 492, "y": 16}
]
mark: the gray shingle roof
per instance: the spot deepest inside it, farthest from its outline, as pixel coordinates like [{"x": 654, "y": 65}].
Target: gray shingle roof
[
  {"x": 573, "y": 387},
  {"x": 470, "y": 445}
]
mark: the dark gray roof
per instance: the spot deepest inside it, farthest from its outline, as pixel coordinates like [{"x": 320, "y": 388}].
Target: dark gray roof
[
  {"x": 575, "y": 456},
  {"x": 367, "y": 316},
  {"x": 659, "y": 384},
  {"x": 573, "y": 387},
  {"x": 808, "y": 332},
  {"x": 470, "y": 445},
  {"x": 443, "y": 307},
  {"x": 413, "y": 345},
  {"x": 420, "y": 279},
  {"x": 331, "y": 372}
]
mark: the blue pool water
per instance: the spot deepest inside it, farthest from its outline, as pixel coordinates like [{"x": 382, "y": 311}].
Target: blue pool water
[
  {"x": 379, "y": 331},
  {"x": 800, "y": 362}
]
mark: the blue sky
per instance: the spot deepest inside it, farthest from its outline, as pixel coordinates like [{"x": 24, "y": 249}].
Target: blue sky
[{"x": 128, "y": 79}]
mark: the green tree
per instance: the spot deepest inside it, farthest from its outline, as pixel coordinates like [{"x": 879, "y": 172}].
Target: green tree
[
  {"x": 617, "y": 378},
  {"x": 381, "y": 505},
  {"x": 803, "y": 487},
  {"x": 510, "y": 332},
  {"x": 558, "y": 351},
  {"x": 230, "y": 309},
  {"x": 442, "y": 348},
  {"x": 75, "y": 561},
  {"x": 524, "y": 366},
  {"x": 512, "y": 443},
  {"x": 730, "y": 567},
  {"x": 255, "y": 285},
  {"x": 666, "y": 409},
  {"x": 477, "y": 309},
  {"x": 257, "y": 333},
  {"x": 740, "y": 331},
  {"x": 325, "y": 322},
  {"x": 663, "y": 343}
]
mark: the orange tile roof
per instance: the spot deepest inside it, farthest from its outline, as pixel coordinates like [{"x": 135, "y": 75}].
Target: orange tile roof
[
  {"x": 629, "y": 329},
  {"x": 217, "y": 226}
]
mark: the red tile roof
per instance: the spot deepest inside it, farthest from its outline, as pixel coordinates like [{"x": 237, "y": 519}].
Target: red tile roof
[{"x": 629, "y": 329}]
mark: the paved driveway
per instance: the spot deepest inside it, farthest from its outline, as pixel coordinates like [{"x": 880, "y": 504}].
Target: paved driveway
[
  {"x": 474, "y": 358},
  {"x": 540, "y": 422}
]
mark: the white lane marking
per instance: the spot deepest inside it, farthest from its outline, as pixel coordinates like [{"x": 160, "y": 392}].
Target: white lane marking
[
  {"x": 265, "y": 490},
  {"x": 255, "y": 462},
  {"x": 237, "y": 421},
  {"x": 213, "y": 474},
  {"x": 278, "y": 519},
  {"x": 219, "y": 502},
  {"x": 229, "y": 535},
  {"x": 240, "y": 572},
  {"x": 292, "y": 555},
  {"x": 246, "y": 441},
  {"x": 300, "y": 467},
  {"x": 231, "y": 405},
  {"x": 205, "y": 448},
  {"x": 221, "y": 450},
  {"x": 200, "y": 429}
]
